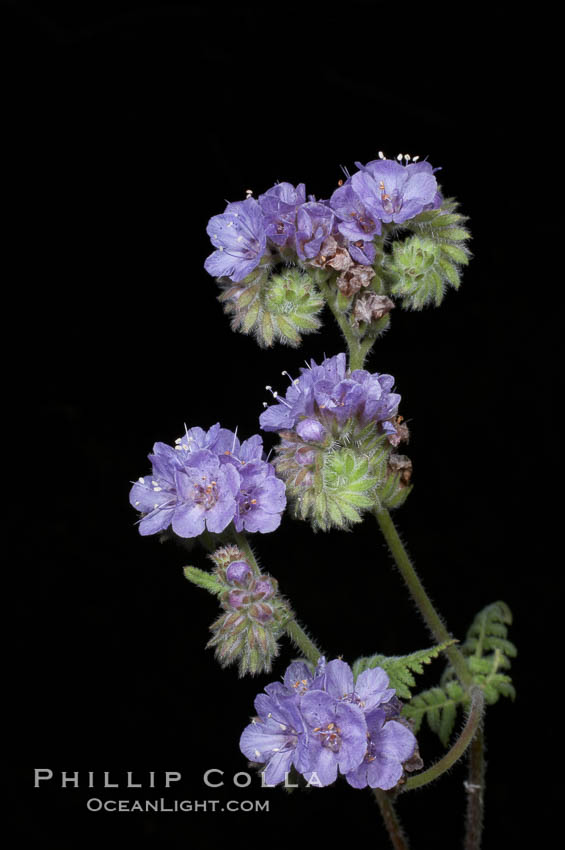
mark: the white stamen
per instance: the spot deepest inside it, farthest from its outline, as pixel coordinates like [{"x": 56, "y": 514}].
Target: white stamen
[
  {"x": 257, "y": 753},
  {"x": 399, "y": 157},
  {"x": 137, "y": 503},
  {"x": 221, "y": 248},
  {"x": 155, "y": 505},
  {"x": 415, "y": 158},
  {"x": 265, "y": 404},
  {"x": 240, "y": 238},
  {"x": 283, "y": 727},
  {"x": 141, "y": 480},
  {"x": 407, "y": 157},
  {"x": 178, "y": 440},
  {"x": 381, "y": 155},
  {"x": 229, "y": 224},
  {"x": 157, "y": 489}
]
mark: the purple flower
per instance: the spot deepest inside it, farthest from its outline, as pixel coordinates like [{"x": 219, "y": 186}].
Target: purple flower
[
  {"x": 277, "y": 737},
  {"x": 238, "y": 235},
  {"x": 358, "y": 211},
  {"x": 190, "y": 494},
  {"x": 395, "y": 192},
  {"x": 368, "y": 692},
  {"x": 261, "y": 498},
  {"x": 330, "y": 393},
  {"x": 389, "y": 745},
  {"x": 323, "y": 722},
  {"x": 207, "y": 480},
  {"x": 279, "y": 204},
  {"x": 314, "y": 221},
  {"x": 337, "y": 736}
]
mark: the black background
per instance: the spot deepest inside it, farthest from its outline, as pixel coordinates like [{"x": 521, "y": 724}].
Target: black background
[{"x": 128, "y": 127}]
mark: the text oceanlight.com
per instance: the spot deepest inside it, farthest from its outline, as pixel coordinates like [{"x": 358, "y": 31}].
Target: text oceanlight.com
[{"x": 161, "y": 805}]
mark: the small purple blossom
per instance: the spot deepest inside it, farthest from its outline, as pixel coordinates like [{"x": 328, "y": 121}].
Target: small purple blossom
[
  {"x": 279, "y": 205},
  {"x": 277, "y": 737},
  {"x": 368, "y": 692},
  {"x": 329, "y": 393},
  {"x": 261, "y": 498},
  {"x": 240, "y": 240},
  {"x": 395, "y": 192},
  {"x": 314, "y": 222},
  {"x": 389, "y": 745},
  {"x": 359, "y": 220},
  {"x": 207, "y": 480},
  {"x": 338, "y": 736},
  {"x": 191, "y": 495}
]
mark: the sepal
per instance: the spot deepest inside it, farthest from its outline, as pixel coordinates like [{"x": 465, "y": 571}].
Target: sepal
[
  {"x": 274, "y": 307},
  {"x": 422, "y": 267}
]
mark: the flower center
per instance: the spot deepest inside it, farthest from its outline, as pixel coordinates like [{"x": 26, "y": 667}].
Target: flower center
[
  {"x": 246, "y": 503},
  {"x": 391, "y": 203},
  {"x": 206, "y": 494},
  {"x": 329, "y": 736}
]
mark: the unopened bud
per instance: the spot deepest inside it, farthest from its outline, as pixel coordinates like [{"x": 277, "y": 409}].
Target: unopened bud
[
  {"x": 310, "y": 430},
  {"x": 238, "y": 572}
]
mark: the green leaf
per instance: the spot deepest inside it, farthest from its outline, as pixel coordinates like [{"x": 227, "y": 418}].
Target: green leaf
[
  {"x": 400, "y": 667},
  {"x": 204, "y": 579}
]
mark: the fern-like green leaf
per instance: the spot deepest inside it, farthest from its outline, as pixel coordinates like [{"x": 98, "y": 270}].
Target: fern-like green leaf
[
  {"x": 400, "y": 668},
  {"x": 487, "y": 652}
]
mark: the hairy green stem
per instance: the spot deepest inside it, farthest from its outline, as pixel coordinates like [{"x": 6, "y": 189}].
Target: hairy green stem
[
  {"x": 299, "y": 637},
  {"x": 470, "y": 729},
  {"x": 352, "y": 341},
  {"x": 243, "y": 543},
  {"x": 475, "y": 788},
  {"x": 390, "y": 818},
  {"x": 294, "y": 631},
  {"x": 420, "y": 597}
]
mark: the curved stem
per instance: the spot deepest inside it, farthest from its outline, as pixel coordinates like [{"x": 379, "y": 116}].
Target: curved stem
[
  {"x": 390, "y": 818},
  {"x": 420, "y": 597},
  {"x": 299, "y": 637},
  {"x": 475, "y": 787},
  {"x": 294, "y": 631},
  {"x": 243, "y": 543},
  {"x": 470, "y": 729},
  {"x": 346, "y": 329}
]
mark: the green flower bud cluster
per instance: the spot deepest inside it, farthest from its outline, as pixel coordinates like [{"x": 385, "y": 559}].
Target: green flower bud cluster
[
  {"x": 354, "y": 469},
  {"x": 274, "y": 307},
  {"x": 254, "y": 614},
  {"x": 421, "y": 268}
]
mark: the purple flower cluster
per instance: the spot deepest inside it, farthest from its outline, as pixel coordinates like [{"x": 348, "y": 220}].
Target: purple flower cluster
[
  {"x": 207, "y": 480},
  {"x": 326, "y": 722},
  {"x": 384, "y": 190},
  {"x": 283, "y": 220},
  {"x": 329, "y": 393}
]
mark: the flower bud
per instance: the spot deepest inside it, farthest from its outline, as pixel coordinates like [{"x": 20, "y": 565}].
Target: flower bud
[
  {"x": 263, "y": 588},
  {"x": 253, "y": 618},
  {"x": 422, "y": 268},
  {"x": 238, "y": 572},
  {"x": 310, "y": 430},
  {"x": 238, "y": 598}
]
